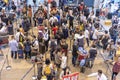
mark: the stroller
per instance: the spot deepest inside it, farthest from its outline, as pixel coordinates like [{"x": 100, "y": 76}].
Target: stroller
[{"x": 82, "y": 57}]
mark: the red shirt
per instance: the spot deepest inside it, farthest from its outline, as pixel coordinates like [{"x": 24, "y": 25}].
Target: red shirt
[
  {"x": 81, "y": 7},
  {"x": 116, "y": 67},
  {"x": 54, "y": 29}
]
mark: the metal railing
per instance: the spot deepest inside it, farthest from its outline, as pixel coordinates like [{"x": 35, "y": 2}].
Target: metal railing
[{"x": 24, "y": 76}]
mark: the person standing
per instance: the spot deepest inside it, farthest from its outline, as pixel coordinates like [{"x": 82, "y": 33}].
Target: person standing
[
  {"x": 10, "y": 28},
  {"x": 13, "y": 47},
  {"x": 63, "y": 61},
  {"x": 27, "y": 48},
  {"x": 46, "y": 38},
  {"x": 86, "y": 33},
  {"x": 19, "y": 36},
  {"x": 116, "y": 69},
  {"x": 30, "y": 14},
  {"x": 74, "y": 53}
]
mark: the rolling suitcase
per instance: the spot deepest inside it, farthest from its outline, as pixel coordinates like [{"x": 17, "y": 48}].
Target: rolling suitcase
[{"x": 20, "y": 54}]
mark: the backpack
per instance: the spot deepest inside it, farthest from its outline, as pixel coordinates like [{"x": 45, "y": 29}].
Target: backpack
[
  {"x": 52, "y": 44},
  {"x": 21, "y": 38},
  {"x": 20, "y": 46},
  {"x": 27, "y": 47},
  {"x": 112, "y": 31},
  {"x": 47, "y": 70}
]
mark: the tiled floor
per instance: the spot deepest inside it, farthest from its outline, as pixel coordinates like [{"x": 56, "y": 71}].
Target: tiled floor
[{"x": 20, "y": 67}]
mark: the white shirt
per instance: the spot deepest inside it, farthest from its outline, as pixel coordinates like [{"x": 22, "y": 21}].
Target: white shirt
[
  {"x": 3, "y": 29},
  {"x": 64, "y": 62},
  {"x": 13, "y": 45},
  {"x": 76, "y": 36},
  {"x": 36, "y": 44},
  {"x": 95, "y": 34},
  {"x": 102, "y": 77},
  {"x": 86, "y": 33},
  {"x": 53, "y": 19},
  {"x": 17, "y": 35},
  {"x": 80, "y": 37},
  {"x": 46, "y": 36}
]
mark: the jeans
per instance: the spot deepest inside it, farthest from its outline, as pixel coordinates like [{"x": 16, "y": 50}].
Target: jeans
[
  {"x": 114, "y": 38},
  {"x": 87, "y": 40},
  {"x": 14, "y": 54},
  {"x": 114, "y": 74},
  {"x": 49, "y": 77},
  {"x": 27, "y": 54},
  {"x": 111, "y": 54},
  {"x": 74, "y": 58}
]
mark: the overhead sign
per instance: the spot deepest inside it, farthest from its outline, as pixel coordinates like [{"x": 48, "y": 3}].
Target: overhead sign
[{"x": 73, "y": 76}]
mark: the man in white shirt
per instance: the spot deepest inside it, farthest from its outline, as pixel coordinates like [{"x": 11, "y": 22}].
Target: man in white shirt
[
  {"x": 13, "y": 47},
  {"x": 99, "y": 75}
]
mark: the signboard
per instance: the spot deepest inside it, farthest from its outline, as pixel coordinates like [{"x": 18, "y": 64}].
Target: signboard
[{"x": 73, "y": 76}]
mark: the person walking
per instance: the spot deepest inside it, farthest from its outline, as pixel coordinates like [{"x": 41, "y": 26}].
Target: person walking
[
  {"x": 27, "y": 48},
  {"x": 13, "y": 47},
  {"x": 116, "y": 69}
]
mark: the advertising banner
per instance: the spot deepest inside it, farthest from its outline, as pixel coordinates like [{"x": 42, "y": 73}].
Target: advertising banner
[{"x": 73, "y": 76}]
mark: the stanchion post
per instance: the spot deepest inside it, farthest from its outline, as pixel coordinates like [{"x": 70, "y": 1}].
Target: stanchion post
[
  {"x": 8, "y": 67},
  {"x": 70, "y": 44},
  {"x": 34, "y": 77}
]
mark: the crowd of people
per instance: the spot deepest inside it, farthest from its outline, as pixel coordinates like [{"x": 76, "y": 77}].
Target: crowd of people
[{"x": 53, "y": 34}]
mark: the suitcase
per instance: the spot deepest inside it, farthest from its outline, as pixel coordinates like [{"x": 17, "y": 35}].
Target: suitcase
[{"x": 20, "y": 54}]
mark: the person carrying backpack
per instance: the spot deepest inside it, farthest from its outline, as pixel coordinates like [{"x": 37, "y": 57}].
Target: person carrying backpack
[
  {"x": 47, "y": 70},
  {"x": 21, "y": 37},
  {"x": 27, "y": 48}
]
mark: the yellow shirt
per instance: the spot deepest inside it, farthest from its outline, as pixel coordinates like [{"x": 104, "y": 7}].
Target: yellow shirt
[{"x": 81, "y": 27}]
